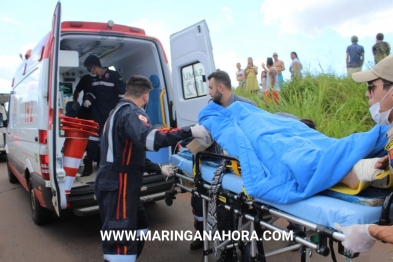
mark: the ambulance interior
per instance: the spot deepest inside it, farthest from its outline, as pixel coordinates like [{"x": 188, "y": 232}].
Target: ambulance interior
[{"x": 128, "y": 56}]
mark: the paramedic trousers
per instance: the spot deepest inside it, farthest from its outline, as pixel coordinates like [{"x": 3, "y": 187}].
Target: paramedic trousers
[
  {"x": 197, "y": 210},
  {"x": 121, "y": 211},
  {"x": 93, "y": 144}
]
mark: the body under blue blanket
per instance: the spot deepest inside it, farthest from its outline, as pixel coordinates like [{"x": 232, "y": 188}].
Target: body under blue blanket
[{"x": 282, "y": 159}]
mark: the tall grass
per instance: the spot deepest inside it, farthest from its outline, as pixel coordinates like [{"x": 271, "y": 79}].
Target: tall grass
[{"x": 337, "y": 105}]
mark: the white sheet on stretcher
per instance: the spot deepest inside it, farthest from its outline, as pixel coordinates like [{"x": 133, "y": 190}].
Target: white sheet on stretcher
[{"x": 318, "y": 209}]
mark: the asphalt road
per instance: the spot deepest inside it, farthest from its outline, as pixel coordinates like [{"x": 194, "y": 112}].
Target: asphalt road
[{"x": 73, "y": 239}]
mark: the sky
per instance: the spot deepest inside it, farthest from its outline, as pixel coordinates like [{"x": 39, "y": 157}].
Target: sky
[{"x": 319, "y": 31}]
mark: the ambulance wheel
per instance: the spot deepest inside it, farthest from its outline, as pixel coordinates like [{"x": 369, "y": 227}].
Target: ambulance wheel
[
  {"x": 39, "y": 214},
  {"x": 11, "y": 177}
]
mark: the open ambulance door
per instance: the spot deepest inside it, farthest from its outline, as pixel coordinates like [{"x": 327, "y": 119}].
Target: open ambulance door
[
  {"x": 192, "y": 61},
  {"x": 53, "y": 128}
]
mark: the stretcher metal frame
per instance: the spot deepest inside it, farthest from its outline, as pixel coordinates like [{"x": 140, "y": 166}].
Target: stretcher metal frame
[{"x": 239, "y": 205}]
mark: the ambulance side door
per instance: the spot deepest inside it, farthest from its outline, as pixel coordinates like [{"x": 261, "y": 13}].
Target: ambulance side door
[
  {"x": 191, "y": 61},
  {"x": 52, "y": 129}
]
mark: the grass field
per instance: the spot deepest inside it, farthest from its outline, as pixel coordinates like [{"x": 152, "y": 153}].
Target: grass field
[{"x": 337, "y": 105}]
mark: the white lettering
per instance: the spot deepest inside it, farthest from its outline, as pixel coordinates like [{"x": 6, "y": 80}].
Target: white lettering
[
  {"x": 237, "y": 237},
  {"x": 145, "y": 235},
  {"x": 254, "y": 236},
  {"x": 276, "y": 235},
  {"x": 245, "y": 235},
  {"x": 287, "y": 236},
  {"x": 156, "y": 236},
  {"x": 188, "y": 235},
  {"x": 265, "y": 237},
  {"x": 166, "y": 235}
]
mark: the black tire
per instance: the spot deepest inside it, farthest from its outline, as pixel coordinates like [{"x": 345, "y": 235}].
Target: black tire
[
  {"x": 11, "y": 177},
  {"x": 39, "y": 214}
]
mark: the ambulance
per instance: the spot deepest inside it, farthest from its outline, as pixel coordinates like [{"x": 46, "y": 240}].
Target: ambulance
[
  {"x": 3, "y": 121},
  {"x": 43, "y": 85}
]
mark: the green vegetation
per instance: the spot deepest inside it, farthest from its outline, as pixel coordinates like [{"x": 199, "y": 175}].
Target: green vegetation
[{"x": 337, "y": 105}]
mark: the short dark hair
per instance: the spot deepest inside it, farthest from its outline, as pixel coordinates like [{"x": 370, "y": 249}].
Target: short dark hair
[
  {"x": 137, "y": 86},
  {"x": 92, "y": 60},
  {"x": 221, "y": 77},
  {"x": 309, "y": 122},
  {"x": 380, "y": 36},
  {"x": 269, "y": 61}
]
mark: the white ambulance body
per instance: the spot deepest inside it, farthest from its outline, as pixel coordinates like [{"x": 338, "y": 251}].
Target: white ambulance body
[
  {"x": 3, "y": 120},
  {"x": 45, "y": 80}
]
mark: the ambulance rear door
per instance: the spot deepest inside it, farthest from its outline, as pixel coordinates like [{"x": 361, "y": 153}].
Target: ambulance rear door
[
  {"x": 191, "y": 61},
  {"x": 52, "y": 130}
]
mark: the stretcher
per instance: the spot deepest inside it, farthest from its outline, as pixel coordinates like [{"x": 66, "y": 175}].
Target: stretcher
[{"x": 316, "y": 214}]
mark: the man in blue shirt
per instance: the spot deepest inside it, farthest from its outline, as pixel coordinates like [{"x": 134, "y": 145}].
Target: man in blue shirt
[{"x": 355, "y": 57}]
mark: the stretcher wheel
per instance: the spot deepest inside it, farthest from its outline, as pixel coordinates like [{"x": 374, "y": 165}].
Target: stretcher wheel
[
  {"x": 169, "y": 196},
  {"x": 169, "y": 201}
]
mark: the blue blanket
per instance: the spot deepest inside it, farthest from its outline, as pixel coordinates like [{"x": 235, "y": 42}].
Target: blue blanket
[{"x": 282, "y": 159}]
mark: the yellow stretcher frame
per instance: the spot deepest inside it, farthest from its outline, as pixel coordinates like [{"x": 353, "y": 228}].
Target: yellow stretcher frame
[{"x": 341, "y": 188}]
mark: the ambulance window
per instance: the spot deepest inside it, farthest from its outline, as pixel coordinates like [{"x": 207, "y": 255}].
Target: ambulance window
[{"x": 194, "y": 81}]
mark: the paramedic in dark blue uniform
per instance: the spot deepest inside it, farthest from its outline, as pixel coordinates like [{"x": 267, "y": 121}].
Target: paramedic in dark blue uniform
[
  {"x": 84, "y": 82},
  {"x": 126, "y": 136},
  {"x": 103, "y": 93}
]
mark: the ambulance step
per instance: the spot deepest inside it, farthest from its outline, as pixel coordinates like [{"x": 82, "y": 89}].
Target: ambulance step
[
  {"x": 86, "y": 211},
  {"x": 152, "y": 197}
]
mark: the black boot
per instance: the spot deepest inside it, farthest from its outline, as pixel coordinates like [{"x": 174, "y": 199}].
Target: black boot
[
  {"x": 196, "y": 244},
  {"x": 88, "y": 168}
]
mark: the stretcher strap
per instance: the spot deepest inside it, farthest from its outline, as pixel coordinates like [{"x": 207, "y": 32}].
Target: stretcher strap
[
  {"x": 249, "y": 198},
  {"x": 212, "y": 210}
]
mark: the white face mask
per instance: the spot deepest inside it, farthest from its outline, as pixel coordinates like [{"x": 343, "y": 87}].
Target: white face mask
[{"x": 381, "y": 118}]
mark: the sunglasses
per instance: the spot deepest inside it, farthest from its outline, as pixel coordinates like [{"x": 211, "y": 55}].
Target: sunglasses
[{"x": 371, "y": 86}]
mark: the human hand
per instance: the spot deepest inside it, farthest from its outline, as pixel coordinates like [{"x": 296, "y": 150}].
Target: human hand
[
  {"x": 357, "y": 237},
  {"x": 263, "y": 64},
  {"x": 202, "y": 135},
  {"x": 75, "y": 105},
  {"x": 382, "y": 163},
  {"x": 87, "y": 103},
  {"x": 167, "y": 170}
]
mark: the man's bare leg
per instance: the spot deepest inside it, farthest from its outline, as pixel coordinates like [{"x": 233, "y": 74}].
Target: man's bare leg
[
  {"x": 351, "y": 180},
  {"x": 365, "y": 170}
]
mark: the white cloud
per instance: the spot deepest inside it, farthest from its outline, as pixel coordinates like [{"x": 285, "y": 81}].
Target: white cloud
[
  {"x": 8, "y": 20},
  {"x": 5, "y": 85},
  {"x": 227, "y": 12},
  {"x": 157, "y": 30},
  {"x": 311, "y": 17},
  {"x": 8, "y": 66},
  {"x": 9, "y": 62}
]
